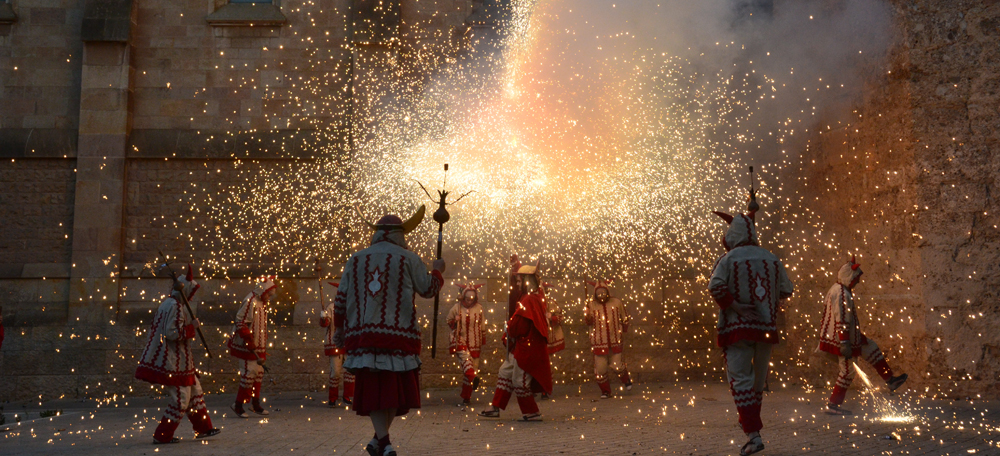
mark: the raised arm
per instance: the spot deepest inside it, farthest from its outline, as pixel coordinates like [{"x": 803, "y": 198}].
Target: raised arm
[{"x": 425, "y": 283}]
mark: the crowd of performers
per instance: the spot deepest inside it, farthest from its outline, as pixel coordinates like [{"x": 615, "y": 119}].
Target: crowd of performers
[{"x": 373, "y": 337}]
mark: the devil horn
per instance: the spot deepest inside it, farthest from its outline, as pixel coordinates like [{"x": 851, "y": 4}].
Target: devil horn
[
  {"x": 190, "y": 273},
  {"x": 728, "y": 218},
  {"x": 415, "y": 220},
  {"x": 335, "y": 284},
  {"x": 362, "y": 217}
]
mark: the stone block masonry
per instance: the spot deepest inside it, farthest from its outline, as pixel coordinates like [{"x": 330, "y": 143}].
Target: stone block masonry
[{"x": 105, "y": 139}]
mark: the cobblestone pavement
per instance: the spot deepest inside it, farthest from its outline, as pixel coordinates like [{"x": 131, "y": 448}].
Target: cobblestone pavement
[{"x": 686, "y": 418}]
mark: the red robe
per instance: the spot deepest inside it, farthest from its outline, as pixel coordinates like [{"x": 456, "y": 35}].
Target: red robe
[{"x": 529, "y": 330}]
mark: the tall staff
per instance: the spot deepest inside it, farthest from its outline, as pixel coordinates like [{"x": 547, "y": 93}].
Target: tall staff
[
  {"x": 319, "y": 282},
  {"x": 173, "y": 275},
  {"x": 441, "y": 216}
]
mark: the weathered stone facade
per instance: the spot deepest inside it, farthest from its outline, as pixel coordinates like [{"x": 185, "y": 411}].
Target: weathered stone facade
[
  {"x": 109, "y": 109},
  {"x": 914, "y": 175}
]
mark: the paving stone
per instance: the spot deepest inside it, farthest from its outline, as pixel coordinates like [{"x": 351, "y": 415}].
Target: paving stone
[{"x": 661, "y": 418}]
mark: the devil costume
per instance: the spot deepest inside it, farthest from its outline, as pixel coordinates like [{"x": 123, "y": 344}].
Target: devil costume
[
  {"x": 376, "y": 318},
  {"x": 840, "y": 335},
  {"x": 526, "y": 370},
  {"x": 248, "y": 343},
  {"x": 608, "y": 321},
  {"x": 750, "y": 279},
  {"x": 167, "y": 361},
  {"x": 336, "y": 354},
  {"x": 468, "y": 333}
]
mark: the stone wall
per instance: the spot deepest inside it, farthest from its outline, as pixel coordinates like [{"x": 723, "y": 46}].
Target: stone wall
[
  {"x": 907, "y": 185},
  {"x": 913, "y": 177},
  {"x": 40, "y": 58}
]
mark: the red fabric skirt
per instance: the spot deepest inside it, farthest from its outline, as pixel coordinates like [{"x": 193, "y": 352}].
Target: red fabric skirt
[{"x": 379, "y": 390}]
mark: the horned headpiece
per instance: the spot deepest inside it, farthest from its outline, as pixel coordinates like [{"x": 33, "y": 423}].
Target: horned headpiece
[
  {"x": 600, "y": 284},
  {"x": 393, "y": 222},
  {"x": 265, "y": 284},
  {"x": 186, "y": 283},
  {"x": 850, "y": 272},
  {"x": 529, "y": 269},
  {"x": 469, "y": 287}
]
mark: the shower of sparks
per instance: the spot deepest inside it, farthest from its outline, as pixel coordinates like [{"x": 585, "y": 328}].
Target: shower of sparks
[
  {"x": 596, "y": 152},
  {"x": 885, "y": 410}
]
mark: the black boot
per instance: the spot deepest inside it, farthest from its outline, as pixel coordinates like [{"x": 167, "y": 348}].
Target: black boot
[{"x": 256, "y": 407}]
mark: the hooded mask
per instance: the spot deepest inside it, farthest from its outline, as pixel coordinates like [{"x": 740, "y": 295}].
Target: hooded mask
[
  {"x": 266, "y": 284},
  {"x": 188, "y": 284},
  {"x": 741, "y": 230},
  {"x": 467, "y": 288},
  {"x": 601, "y": 285},
  {"x": 850, "y": 273}
]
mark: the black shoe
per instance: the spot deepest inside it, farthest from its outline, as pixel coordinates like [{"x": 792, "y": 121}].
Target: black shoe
[
  {"x": 372, "y": 447},
  {"x": 895, "y": 382},
  {"x": 258, "y": 409},
  {"x": 834, "y": 409},
  {"x": 605, "y": 395},
  {"x": 238, "y": 410},
  {"x": 208, "y": 433},
  {"x": 348, "y": 401},
  {"x": 173, "y": 440},
  {"x": 475, "y": 383},
  {"x": 531, "y": 417},
  {"x": 491, "y": 413}
]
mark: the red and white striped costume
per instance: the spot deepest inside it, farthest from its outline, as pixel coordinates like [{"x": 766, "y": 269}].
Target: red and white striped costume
[
  {"x": 375, "y": 309},
  {"x": 468, "y": 334},
  {"x": 336, "y": 355},
  {"x": 167, "y": 361},
  {"x": 608, "y": 323},
  {"x": 748, "y": 274},
  {"x": 840, "y": 325},
  {"x": 249, "y": 340}
]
